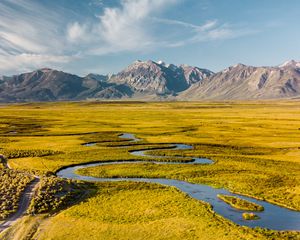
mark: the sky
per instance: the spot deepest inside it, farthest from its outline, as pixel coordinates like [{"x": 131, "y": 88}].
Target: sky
[{"x": 105, "y": 36}]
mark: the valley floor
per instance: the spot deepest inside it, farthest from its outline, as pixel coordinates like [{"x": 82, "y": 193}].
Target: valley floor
[{"x": 255, "y": 146}]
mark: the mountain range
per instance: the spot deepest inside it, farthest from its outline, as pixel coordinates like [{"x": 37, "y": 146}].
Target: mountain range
[{"x": 150, "y": 80}]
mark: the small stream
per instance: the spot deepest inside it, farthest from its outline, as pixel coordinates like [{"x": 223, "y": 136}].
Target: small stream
[{"x": 273, "y": 217}]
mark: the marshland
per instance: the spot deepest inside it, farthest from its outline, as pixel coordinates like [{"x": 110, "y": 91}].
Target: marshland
[{"x": 253, "y": 146}]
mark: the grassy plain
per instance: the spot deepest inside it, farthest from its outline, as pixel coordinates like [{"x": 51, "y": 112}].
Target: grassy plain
[
  {"x": 255, "y": 147},
  {"x": 141, "y": 211}
]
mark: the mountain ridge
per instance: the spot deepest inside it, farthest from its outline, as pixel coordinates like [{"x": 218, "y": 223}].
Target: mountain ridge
[
  {"x": 158, "y": 78},
  {"x": 150, "y": 80},
  {"x": 248, "y": 82}
]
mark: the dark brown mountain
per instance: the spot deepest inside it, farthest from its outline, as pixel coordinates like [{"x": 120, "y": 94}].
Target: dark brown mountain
[{"x": 52, "y": 85}]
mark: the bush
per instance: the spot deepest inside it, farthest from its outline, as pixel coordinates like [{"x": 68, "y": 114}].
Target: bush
[
  {"x": 54, "y": 194},
  {"x": 12, "y": 186},
  {"x": 250, "y": 216}
]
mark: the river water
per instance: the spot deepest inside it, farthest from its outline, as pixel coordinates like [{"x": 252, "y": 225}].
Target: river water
[{"x": 273, "y": 217}]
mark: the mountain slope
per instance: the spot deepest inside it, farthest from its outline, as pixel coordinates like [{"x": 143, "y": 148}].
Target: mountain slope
[
  {"x": 247, "y": 82},
  {"x": 143, "y": 80},
  {"x": 43, "y": 84},
  {"x": 151, "y": 80},
  {"x": 158, "y": 78},
  {"x": 51, "y": 85}
]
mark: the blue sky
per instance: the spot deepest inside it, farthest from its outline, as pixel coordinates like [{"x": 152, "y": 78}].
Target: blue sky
[{"x": 104, "y": 36}]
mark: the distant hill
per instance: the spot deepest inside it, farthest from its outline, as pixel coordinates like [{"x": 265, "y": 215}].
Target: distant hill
[{"x": 149, "y": 80}]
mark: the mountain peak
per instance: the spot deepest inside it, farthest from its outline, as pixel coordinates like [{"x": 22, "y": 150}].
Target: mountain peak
[
  {"x": 239, "y": 65},
  {"x": 46, "y": 70},
  {"x": 97, "y": 77},
  {"x": 158, "y": 77},
  {"x": 184, "y": 65},
  {"x": 167, "y": 65},
  {"x": 290, "y": 63},
  {"x": 234, "y": 67},
  {"x": 140, "y": 62}
]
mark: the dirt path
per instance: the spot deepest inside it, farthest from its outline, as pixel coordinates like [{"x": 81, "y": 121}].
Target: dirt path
[
  {"x": 23, "y": 205},
  {"x": 24, "y": 202}
]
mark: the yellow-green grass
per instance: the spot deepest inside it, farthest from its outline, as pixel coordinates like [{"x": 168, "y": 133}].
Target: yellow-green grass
[
  {"x": 54, "y": 194},
  {"x": 125, "y": 210},
  {"x": 247, "y": 137},
  {"x": 23, "y": 229},
  {"x": 239, "y": 203},
  {"x": 255, "y": 145}
]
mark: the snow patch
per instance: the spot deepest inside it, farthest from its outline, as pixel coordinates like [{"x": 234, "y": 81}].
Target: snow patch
[
  {"x": 290, "y": 63},
  {"x": 160, "y": 62}
]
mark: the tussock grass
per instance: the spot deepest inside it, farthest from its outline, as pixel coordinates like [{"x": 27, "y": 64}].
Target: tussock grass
[
  {"x": 126, "y": 210},
  {"x": 240, "y": 203},
  {"x": 24, "y": 229},
  {"x": 12, "y": 185},
  {"x": 54, "y": 194},
  {"x": 250, "y": 216}
]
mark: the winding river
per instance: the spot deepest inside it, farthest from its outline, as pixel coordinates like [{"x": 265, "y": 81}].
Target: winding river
[{"x": 273, "y": 217}]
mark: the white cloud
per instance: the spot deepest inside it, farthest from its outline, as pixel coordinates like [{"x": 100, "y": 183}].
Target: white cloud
[
  {"x": 21, "y": 43},
  {"x": 33, "y": 35},
  {"x": 28, "y": 62},
  {"x": 212, "y": 30},
  {"x": 29, "y": 36},
  {"x": 77, "y": 32},
  {"x": 208, "y": 25},
  {"x": 131, "y": 27},
  {"x": 221, "y": 32},
  {"x": 26, "y": 26},
  {"x": 117, "y": 29},
  {"x": 96, "y": 3}
]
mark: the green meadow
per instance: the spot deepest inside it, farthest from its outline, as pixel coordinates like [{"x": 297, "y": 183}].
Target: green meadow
[{"x": 255, "y": 147}]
